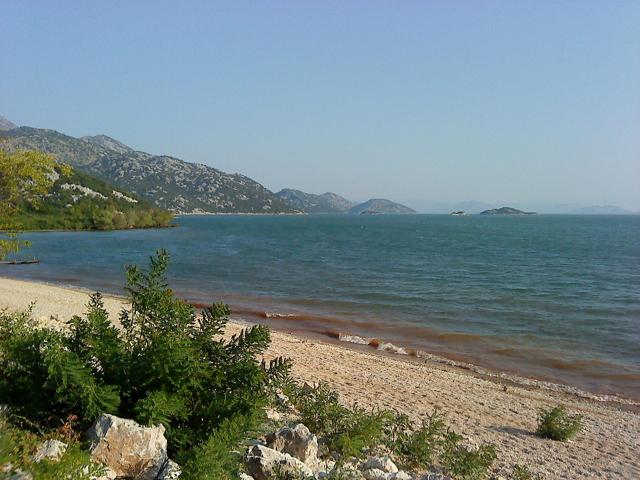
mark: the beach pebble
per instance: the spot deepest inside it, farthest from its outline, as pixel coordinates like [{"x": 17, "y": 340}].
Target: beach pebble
[
  {"x": 127, "y": 448},
  {"x": 375, "y": 474},
  {"x": 298, "y": 442},
  {"x": 264, "y": 463},
  {"x": 381, "y": 463},
  {"x": 50, "y": 450},
  {"x": 170, "y": 471}
]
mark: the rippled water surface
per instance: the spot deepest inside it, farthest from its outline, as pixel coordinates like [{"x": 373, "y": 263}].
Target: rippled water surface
[{"x": 554, "y": 297}]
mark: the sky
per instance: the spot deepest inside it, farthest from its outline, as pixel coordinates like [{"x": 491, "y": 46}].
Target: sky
[{"x": 424, "y": 102}]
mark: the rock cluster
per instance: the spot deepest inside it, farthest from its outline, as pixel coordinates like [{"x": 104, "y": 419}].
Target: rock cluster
[
  {"x": 293, "y": 451},
  {"x": 132, "y": 451}
]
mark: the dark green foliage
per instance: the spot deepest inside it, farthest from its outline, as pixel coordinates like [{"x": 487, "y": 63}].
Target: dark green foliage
[
  {"x": 218, "y": 456},
  {"x": 167, "y": 365},
  {"x": 557, "y": 424},
  {"x": 70, "y": 209}
]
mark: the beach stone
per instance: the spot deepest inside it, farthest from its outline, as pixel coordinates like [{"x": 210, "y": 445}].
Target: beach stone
[
  {"x": 127, "y": 448},
  {"x": 298, "y": 442},
  {"x": 7, "y": 472},
  {"x": 263, "y": 463},
  {"x": 170, "y": 471},
  {"x": 381, "y": 463},
  {"x": 50, "y": 450},
  {"x": 272, "y": 414},
  {"x": 400, "y": 476},
  {"x": 375, "y": 474}
]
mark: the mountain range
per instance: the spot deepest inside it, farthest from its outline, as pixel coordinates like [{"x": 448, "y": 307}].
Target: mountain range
[
  {"x": 171, "y": 183},
  {"x": 332, "y": 203}
]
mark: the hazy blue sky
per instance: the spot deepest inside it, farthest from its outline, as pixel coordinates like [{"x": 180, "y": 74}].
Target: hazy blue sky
[{"x": 512, "y": 101}]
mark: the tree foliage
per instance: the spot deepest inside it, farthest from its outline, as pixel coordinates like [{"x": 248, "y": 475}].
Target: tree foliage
[
  {"x": 166, "y": 365},
  {"x": 25, "y": 177}
]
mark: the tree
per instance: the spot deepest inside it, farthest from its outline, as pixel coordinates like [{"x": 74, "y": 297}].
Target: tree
[{"x": 25, "y": 177}]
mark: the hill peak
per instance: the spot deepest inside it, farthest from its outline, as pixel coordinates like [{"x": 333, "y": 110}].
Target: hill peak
[{"x": 6, "y": 124}]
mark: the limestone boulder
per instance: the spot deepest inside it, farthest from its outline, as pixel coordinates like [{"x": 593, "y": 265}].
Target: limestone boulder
[
  {"x": 298, "y": 442},
  {"x": 127, "y": 448},
  {"x": 50, "y": 450},
  {"x": 264, "y": 463}
]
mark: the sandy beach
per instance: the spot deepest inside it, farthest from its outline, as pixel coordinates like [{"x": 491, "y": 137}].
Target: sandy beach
[{"x": 477, "y": 406}]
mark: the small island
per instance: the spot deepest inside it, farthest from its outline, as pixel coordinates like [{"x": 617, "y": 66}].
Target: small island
[
  {"x": 506, "y": 211},
  {"x": 459, "y": 213}
]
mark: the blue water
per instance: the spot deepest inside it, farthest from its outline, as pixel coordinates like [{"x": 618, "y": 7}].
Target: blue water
[{"x": 553, "y": 297}]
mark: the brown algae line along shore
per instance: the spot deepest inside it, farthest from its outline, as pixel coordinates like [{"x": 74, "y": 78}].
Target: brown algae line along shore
[
  {"x": 375, "y": 346},
  {"x": 479, "y": 406}
]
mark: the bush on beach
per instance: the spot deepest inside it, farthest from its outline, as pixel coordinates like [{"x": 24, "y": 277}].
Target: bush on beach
[
  {"x": 557, "y": 424},
  {"x": 166, "y": 365}
]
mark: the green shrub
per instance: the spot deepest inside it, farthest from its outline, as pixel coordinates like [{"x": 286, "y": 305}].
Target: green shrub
[
  {"x": 167, "y": 365},
  {"x": 346, "y": 431},
  {"x": 557, "y": 424},
  {"x": 521, "y": 472},
  {"x": 464, "y": 463},
  {"x": 415, "y": 446}
]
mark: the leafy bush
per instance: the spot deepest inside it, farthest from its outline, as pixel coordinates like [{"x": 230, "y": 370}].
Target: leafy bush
[
  {"x": 557, "y": 424},
  {"x": 521, "y": 472},
  {"x": 416, "y": 446},
  {"x": 348, "y": 432},
  {"x": 464, "y": 463},
  {"x": 166, "y": 365}
]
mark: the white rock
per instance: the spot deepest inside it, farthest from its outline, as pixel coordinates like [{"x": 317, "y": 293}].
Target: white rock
[
  {"x": 171, "y": 471},
  {"x": 375, "y": 474},
  {"x": 381, "y": 463},
  {"x": 244, "y": 476},
  {"x": 50, "y": 450},
  {"x": 263, "y": 463},
  {"x": 273, "y": 414},
  {"x": 298, "y": 442},
  {"x": 127, "y": 448},
  {"x": 400, "y": 476}
]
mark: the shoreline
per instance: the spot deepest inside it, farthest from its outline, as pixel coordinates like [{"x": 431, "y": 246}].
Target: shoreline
[
  {"x": 481, "y": 407},
  {"x": 383, "y": 347}
]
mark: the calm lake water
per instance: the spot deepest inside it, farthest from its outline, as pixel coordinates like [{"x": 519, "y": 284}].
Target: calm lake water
[{"x": 552, "y": 297}]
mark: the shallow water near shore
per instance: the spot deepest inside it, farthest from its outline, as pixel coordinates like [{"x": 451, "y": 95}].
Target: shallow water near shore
[{"x": 552, "y": 297}]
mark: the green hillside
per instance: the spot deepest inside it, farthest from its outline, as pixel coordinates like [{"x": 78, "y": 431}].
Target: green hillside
[{"x": 81, "y": 202}]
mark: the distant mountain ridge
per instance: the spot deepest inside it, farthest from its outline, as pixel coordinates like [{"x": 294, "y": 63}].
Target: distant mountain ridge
[
  {"x": 333, "y": 203},
  {"x": 166, "y": 182},
  {"x": 6, "y": 124},
  {"x": 312, "y": 203}
]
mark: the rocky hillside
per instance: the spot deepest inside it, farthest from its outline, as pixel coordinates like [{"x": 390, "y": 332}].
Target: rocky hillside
[
  {"x": 78, "y": 201},
  {"x": 6, "y": 124},
  {"x": 167, "y": 182},
  {"x": 380, "y": 206},
  {"x": 311, "y": 203}
]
